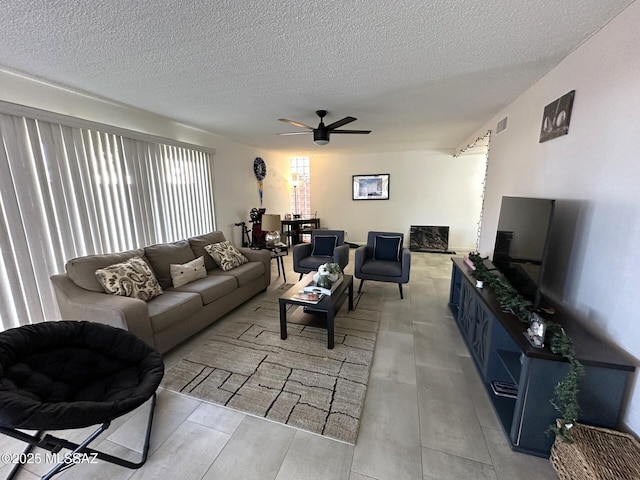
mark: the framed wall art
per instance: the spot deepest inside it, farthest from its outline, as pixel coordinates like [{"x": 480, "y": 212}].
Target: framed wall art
[
  {"x": 371, "y": 187},
  {"x": 556, "y": 117}
]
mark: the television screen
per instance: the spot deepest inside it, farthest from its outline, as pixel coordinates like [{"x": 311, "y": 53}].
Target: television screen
[{"x": 522, "y": 241}]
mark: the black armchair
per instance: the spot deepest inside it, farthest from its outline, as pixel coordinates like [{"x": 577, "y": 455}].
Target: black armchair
[
  {"x": 383, "y": 259},
  {"x": 68, "y": 375},
  {"x": 327, "y": 246}
]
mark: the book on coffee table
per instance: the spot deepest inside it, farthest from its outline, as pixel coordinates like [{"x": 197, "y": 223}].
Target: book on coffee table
[{"x": 308, "y": 297}]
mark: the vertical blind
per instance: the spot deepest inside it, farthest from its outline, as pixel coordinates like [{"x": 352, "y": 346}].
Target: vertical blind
[{"x": 68, "y": 191}]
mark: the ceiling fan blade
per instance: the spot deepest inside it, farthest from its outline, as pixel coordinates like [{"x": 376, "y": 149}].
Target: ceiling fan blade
[
  {"x": 295, "y": 133},
  {"x": 351, "y": 131},
  {"x": 295, "y": 124},
  {"x": 340, "y": 123}
]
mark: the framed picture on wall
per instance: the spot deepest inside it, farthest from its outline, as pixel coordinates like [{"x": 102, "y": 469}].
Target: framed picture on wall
[
  {"x": 371, "y": 187},
  {"x": 556, "y": 117}
]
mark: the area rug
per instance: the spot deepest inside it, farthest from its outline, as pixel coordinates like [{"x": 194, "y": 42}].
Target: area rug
[{"x": 245, "y": 365}]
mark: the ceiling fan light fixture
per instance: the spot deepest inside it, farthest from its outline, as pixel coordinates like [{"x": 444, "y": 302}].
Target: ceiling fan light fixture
[{"x": 320, "y": 137}]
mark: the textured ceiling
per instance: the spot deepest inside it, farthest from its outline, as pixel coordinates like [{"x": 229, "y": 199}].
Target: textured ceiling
[{"x": 418, "y": 74}]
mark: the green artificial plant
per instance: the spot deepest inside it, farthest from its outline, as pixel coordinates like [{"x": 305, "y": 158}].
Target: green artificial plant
[{"x": 333, "y": 268}]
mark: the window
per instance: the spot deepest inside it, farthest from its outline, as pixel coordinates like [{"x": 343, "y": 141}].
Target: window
[
  {"x": 69, "y": 188},
  {"x": 300, "y": 182}
]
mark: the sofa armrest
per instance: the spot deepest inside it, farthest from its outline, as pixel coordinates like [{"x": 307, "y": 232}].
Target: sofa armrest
[
  {"x": 263, "y": 256},
  {"x": 76, "y": 303},
  {"x": 406, "y": 264},
  {"x": 341, "y": 256},
  {"x": 300, "y": 251},
  {"x": 362, "y": 254}
]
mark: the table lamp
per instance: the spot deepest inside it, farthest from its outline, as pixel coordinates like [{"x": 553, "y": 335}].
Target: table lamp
[{"x": 271, "y": 224}]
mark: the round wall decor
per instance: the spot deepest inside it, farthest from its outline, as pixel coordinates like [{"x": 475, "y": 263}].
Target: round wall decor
[{"x": 259, "y": 168}]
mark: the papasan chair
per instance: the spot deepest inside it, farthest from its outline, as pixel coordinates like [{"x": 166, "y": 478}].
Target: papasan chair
[{"x": 69, "y": 375}]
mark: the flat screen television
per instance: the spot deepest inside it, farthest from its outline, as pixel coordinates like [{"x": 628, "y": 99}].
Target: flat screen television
[{"x": 522, "y": 241}]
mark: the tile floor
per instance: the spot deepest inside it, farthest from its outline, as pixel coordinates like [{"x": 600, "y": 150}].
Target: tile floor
[{"x": 426, "y": 414}]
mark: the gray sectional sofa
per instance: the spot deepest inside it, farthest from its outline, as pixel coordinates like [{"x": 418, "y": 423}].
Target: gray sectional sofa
[{"x": 178, "y": 313}]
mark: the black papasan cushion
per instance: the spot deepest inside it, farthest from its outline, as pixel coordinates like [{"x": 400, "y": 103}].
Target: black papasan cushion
[{"x": 73, "y": 374}]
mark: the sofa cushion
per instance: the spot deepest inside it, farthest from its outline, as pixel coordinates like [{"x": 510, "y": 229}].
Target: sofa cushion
[
  {"x": 226, "y": 255},
  {"x": 212, "y": 287},
  {"x": 324, "y": 245},
  {"x": 387, "y": 247},
  {"x": 385, "y": 268},
  {"x": 162, "y": 255},
  {"x": 172, "y": 307},
  {"x": 187, "y": 272},
  {"x": 133, "y": 278},
  {"x": 82, "y": 270},
  {"x": 198, "y": 243},
  {"x": 244, "y": 274}
]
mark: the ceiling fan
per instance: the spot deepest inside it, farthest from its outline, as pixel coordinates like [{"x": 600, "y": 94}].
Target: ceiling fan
[{"x": 321, "y": 133}]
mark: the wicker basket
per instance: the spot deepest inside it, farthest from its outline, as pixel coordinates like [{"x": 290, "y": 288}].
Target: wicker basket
[{"x": 596, "y": 454}]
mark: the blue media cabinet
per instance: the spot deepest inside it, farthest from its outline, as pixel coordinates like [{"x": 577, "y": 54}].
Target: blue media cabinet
[{"x": 503, "y": 354}]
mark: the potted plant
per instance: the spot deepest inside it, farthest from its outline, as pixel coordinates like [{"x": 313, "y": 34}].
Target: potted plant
[{"x": 328, "y": 274}]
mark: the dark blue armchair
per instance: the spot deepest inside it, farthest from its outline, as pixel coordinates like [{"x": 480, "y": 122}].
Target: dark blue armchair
[
  {"x": 327, "y": 246},
  {"x": 383, "y": 259}
]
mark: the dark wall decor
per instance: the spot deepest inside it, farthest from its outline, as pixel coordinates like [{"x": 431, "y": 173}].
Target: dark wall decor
[
  {"x": 371, "y": 187},
  {"x": 556, "y": 117},
  {"x": 429, "y": 239}
]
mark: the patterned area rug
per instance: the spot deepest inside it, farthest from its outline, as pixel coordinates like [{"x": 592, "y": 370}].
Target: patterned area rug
[{"x": 298, "y": 381}]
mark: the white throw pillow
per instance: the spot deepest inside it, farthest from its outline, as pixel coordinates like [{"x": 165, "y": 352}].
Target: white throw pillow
[{"x": 188, "y": 272}]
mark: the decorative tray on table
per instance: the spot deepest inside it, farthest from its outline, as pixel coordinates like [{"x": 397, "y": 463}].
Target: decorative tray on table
[{"x": 312, "y": 287}]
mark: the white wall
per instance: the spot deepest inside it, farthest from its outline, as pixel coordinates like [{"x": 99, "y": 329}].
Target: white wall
[
  {"x": 425, "y": 188},
  {"x": 594, "y": 172},
  {"x": 235, "y": 187}
]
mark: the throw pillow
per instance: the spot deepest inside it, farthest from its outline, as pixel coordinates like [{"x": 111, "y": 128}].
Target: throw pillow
[
  {"x": 133, "y": 278},
  {"x": 324, "y": 245},
  {"x": 226, "y": 255},
  {"x": 188, "y": 272},
  {"x": 387, "y": 247}
]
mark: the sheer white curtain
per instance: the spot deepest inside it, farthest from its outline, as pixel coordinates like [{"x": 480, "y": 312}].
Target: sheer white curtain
[{"x": 69, "y": 190}]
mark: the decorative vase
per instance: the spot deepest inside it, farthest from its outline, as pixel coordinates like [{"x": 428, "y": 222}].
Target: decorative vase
[
  {"x": 333, "y": 277},
  {"x": 324, "y": 281},
  {"x": 536, "y": 331}
]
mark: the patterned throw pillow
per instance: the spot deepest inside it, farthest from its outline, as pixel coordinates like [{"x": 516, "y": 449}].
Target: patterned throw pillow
[
  {"x": 188, "y": 272},
  {"x": 226, "y": 255},
  {"x": 133, "y": 278}
]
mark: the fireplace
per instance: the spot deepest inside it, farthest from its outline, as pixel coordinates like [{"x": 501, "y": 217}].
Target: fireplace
[{"x": 429, "y": 239}]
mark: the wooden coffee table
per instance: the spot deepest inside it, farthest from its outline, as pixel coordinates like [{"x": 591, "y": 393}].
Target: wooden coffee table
[{"x": 327, "y": 307}]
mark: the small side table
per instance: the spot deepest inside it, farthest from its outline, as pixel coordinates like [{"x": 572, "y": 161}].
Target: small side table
[{"x": 278, "y": 251}]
